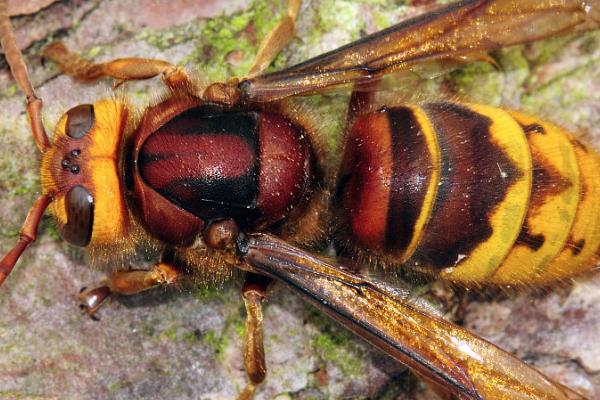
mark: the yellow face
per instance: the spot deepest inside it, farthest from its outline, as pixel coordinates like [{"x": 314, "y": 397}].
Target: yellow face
[{"x": 81, "y": 174}]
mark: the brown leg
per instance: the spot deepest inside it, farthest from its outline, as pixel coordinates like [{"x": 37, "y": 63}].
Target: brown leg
[
  {"x": 19, "y": 72},
  {"x": 27, "y": 236},
  {"x": 128, "y": 283},
  {"x": 122, "y": 69},
  {"x": 277, "y": 39},
  {"x": 254, "y": 292},
  {"x": 229, "y": 93}
]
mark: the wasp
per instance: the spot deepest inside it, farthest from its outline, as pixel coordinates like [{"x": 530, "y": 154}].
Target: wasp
[{"x": 229, "y": 176}]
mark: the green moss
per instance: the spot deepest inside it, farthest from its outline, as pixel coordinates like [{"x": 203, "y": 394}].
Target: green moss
[
  {"x": 94, "y": 51},
  {"x": 17, "y": 175},
  {"x": 239, "y": 326},
  {"x": 218, "y": 342},
  {"x": 336, "y": 345},
  {"x": 190, "y": 337},
  {"x": 286, "y": 396},
  {"x": 239, "y": 22},
  {"x": 330, "y": 112},
  {"x": 381, "y": 18},
  {"x": 49, "y": 229},
  {"x": 177, "y": 333},
  {"x": 467, "y": 76},
  {"x": 19, "y": 180},
  {"x": 563, "y": 95},
  {"x": 148, "y": 329},
  {"x": 15, "y": 349},
  {"x": 170, "y": 333},
  {"x": 226, "y": 46},
  {"x": 119, "y": 28},
  {"x": 219, "y": 45},
  {"x": 206, "y": 292},
  {"x": 11, "y": 91},
  {"x": 591, "y": 43},
  {"x": 114, "y": 387},
  {"x": 344, "y": 22},
  {"x": 545, "y": 51},
  {"x": 347, "y": 14},
  {"x": 9, "y": 232},
  {"x": 264, "y": 15},
  {"x": 552, "y": 87},
  {"x": 16, "y": 395},
  {"x": 165, "y": 39},
  {"x": 479, "y": 82},
  {"x": 512, "y": 59}
]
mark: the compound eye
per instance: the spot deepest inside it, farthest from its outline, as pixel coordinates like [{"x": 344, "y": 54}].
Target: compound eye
[
  {"x": 80, "y": 216},
  {"x": 80, "y": 120}
]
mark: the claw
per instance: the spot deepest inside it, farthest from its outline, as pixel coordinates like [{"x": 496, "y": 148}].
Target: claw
[{"x": 90, "y": 300}]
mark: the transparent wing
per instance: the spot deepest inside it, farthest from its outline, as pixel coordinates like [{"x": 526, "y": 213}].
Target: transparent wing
[
  {"x": 450, "y": 356},
  {"x": 465, "y": 29}
]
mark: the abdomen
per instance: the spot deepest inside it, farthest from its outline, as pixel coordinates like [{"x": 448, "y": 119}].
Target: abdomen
[{"x": 472, "y": 193}]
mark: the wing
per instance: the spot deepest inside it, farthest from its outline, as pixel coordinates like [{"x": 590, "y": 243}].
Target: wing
[
  {"x": 467, "y": 28},
  {"x": 449, "y": 356}
]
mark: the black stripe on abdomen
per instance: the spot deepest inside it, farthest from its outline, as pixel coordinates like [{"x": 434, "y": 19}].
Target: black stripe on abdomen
[
  {"x": 471, "y": 186},
  {"x": 411, "y": 173}
]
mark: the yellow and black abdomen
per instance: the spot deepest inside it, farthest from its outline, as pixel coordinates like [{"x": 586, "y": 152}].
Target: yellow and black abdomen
[{"x": 474, "y": 194}]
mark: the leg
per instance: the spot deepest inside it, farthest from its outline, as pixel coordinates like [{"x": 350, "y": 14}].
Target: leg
[
  {"x": 128, "y": 283},
  {"x": 254, "y": 292},
  {"x": 122, "y": 69},
  {"x": 19, "y": 72},
  {"x": 277, "y": 39},
  {"x": 27, "y": 236}
]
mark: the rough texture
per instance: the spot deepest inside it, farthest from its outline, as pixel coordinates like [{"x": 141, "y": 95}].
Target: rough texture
[
  {"x": 187, "y": 344},
  {"x": 27, "y": 7}
]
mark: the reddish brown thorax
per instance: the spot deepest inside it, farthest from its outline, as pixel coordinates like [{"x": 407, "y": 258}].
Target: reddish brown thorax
[{"x": 203, "y": 163}]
